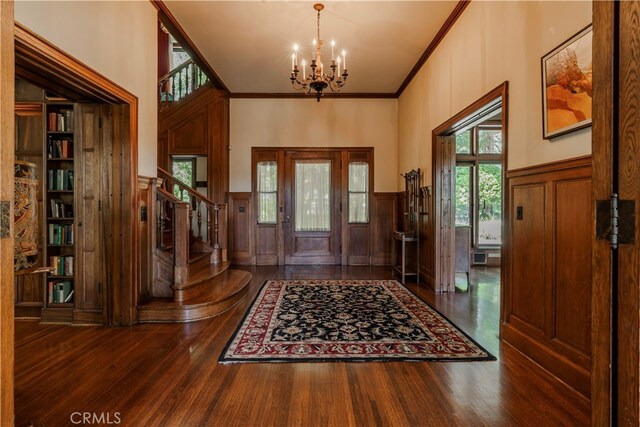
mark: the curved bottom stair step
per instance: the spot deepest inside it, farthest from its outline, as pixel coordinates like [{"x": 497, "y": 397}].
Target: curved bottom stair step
[{"x": 214, "y": 297}]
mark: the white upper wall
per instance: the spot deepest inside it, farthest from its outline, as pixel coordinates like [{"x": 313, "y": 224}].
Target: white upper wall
[
  {"x": 492, "y": 42},
  {"x": 118, "y": 39},
  {"x": 307, "y": 123}
]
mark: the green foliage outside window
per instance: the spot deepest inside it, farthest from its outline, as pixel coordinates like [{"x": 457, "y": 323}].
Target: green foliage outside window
[
  {"x": 183, "y": 171},
  {"x": 490, "y": 191},
  {"x": 463, "y": 195},
  {"x": 463, "y": 142}
]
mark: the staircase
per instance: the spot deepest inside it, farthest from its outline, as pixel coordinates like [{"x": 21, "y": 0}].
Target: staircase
[
  {"x": 192, "y": 278},
  {"x": 179, "y": 83}
]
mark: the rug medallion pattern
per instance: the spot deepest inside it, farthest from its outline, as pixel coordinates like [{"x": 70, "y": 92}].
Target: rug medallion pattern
[{"x": 324, "y": 320}]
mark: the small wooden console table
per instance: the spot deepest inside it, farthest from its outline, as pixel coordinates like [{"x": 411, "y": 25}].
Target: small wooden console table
[{"x": 401, "y": 266}]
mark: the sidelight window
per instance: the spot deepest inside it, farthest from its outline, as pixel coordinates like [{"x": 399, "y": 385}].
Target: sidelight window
[
  {"x": 267, "y": 173},
  {"x": 358, "y": 193}
]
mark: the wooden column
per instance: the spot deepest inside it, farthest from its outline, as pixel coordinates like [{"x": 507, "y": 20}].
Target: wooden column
[
  {"x": 7, "y": 154},
  {"x": 602, "y": 148},
  {"x": 628, "y": 289}
]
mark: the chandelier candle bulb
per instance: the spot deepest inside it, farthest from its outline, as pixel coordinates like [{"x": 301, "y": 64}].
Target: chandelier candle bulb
[
  {"x": 304, "y": 69},
  {"x": 333, "y": 43},
  {"x": 344, "y": 59}
]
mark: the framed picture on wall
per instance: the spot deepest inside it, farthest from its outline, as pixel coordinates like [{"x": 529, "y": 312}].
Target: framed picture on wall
[{"x": 567, "y": 86}]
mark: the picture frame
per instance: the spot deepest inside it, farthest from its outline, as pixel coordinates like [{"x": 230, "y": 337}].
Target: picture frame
[{"x": 567, "y": 85}]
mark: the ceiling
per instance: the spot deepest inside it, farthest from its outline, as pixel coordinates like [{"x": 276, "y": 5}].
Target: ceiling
[{"x": 249, "y": 43}]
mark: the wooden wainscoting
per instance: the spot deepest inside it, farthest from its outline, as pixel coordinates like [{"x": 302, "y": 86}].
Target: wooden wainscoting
[
  {"x": 147, "y": 236},
  {"x": 241, "y": 225},
  {"x": 547, "y": 295},
  {"x": 247, "y": 249},
  {"x": 426, "y": 234},
  {"x": 384, "y": 221}
]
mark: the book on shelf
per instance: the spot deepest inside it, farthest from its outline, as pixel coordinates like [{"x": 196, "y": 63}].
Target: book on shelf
[
  {"x": 61, "y": 234},
  {"x": 60, "y": 121},
  {"x": 59, "y": 149},
  {"x": 69, "y": 297},
  {"x": 62, "y": 265},
  {"x": 59, "y": 209},
  {"x": 50, "y": 286},
  {"x": 60, "y": 291},
  {"x": 60, "y": 180}
]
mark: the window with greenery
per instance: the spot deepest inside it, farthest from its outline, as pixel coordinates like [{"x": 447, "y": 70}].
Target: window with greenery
[
  {"x": 463, "y": 195},
  {"x": 358, "y": 193},
  {"x": 184, "y": 170},
  {"x": 489, "y": 204},
  {"x": 267, "y": 174},
  {"x": 478, "y": 189},
  {"x": 463, "y": 142}
]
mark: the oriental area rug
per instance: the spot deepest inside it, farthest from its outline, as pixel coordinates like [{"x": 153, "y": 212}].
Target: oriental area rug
[{"x": 345, "y": 320}]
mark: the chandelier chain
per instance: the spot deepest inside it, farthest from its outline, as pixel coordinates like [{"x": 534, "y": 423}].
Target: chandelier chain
[{"x": 318, "y": 27}]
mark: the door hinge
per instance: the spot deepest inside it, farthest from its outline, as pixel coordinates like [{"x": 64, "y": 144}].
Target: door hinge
[{"x": 616, "y": 221}]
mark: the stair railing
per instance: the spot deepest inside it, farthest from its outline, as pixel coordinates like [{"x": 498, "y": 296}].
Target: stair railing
[
  {"x": 172, "y": 217},
  {"x": 206, "y": 220},
  {"x": 180, "y": 83}
]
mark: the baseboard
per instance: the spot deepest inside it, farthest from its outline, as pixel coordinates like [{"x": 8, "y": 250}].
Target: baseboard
[{"x": 575, "y": 376}]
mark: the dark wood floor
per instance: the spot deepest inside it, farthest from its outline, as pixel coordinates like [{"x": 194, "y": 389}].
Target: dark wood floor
[{"x": 167, "y": 375}]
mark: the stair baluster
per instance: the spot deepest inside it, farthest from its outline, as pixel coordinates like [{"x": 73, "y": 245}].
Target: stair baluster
[
  {"x": 180, "y": 83},
  {"x": 216, "y": 222}
]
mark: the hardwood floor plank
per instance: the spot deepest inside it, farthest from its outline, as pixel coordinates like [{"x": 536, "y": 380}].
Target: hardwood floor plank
[{"x": 168, "y": 375}]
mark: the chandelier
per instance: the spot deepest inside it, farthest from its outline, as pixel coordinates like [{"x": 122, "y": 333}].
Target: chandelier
[{"x": 319, "y": 78}]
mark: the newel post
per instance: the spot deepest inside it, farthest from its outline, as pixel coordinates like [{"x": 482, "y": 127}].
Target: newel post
[{"x": 181, "y": 245}]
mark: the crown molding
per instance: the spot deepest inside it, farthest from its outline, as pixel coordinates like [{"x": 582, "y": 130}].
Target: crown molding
[
  {"x": 299, "y": 95},
  {"x": 448, "y": 24}
]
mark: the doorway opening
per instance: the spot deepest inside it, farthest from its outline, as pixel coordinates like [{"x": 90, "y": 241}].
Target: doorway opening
[
  {"x": 469, "y": 164},
  {"x": 89, "y": 121}
]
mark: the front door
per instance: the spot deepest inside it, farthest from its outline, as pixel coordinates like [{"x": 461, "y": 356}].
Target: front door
[{"x": 312, "y": 208}]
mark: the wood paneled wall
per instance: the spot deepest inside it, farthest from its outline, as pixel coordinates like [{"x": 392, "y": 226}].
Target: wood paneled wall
[
  {"x": 199, "y": 125},
  {"x": 241, "y": 226},
  {"x": 146, "y": 196},
  {"x": 244, "y": 250},
  {"x": 547, "y": 294},
  {"x": 384, "y": 220}
]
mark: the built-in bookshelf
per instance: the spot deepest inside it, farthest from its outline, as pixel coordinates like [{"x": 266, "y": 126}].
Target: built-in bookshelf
[{"x": 60, "y": 190}]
